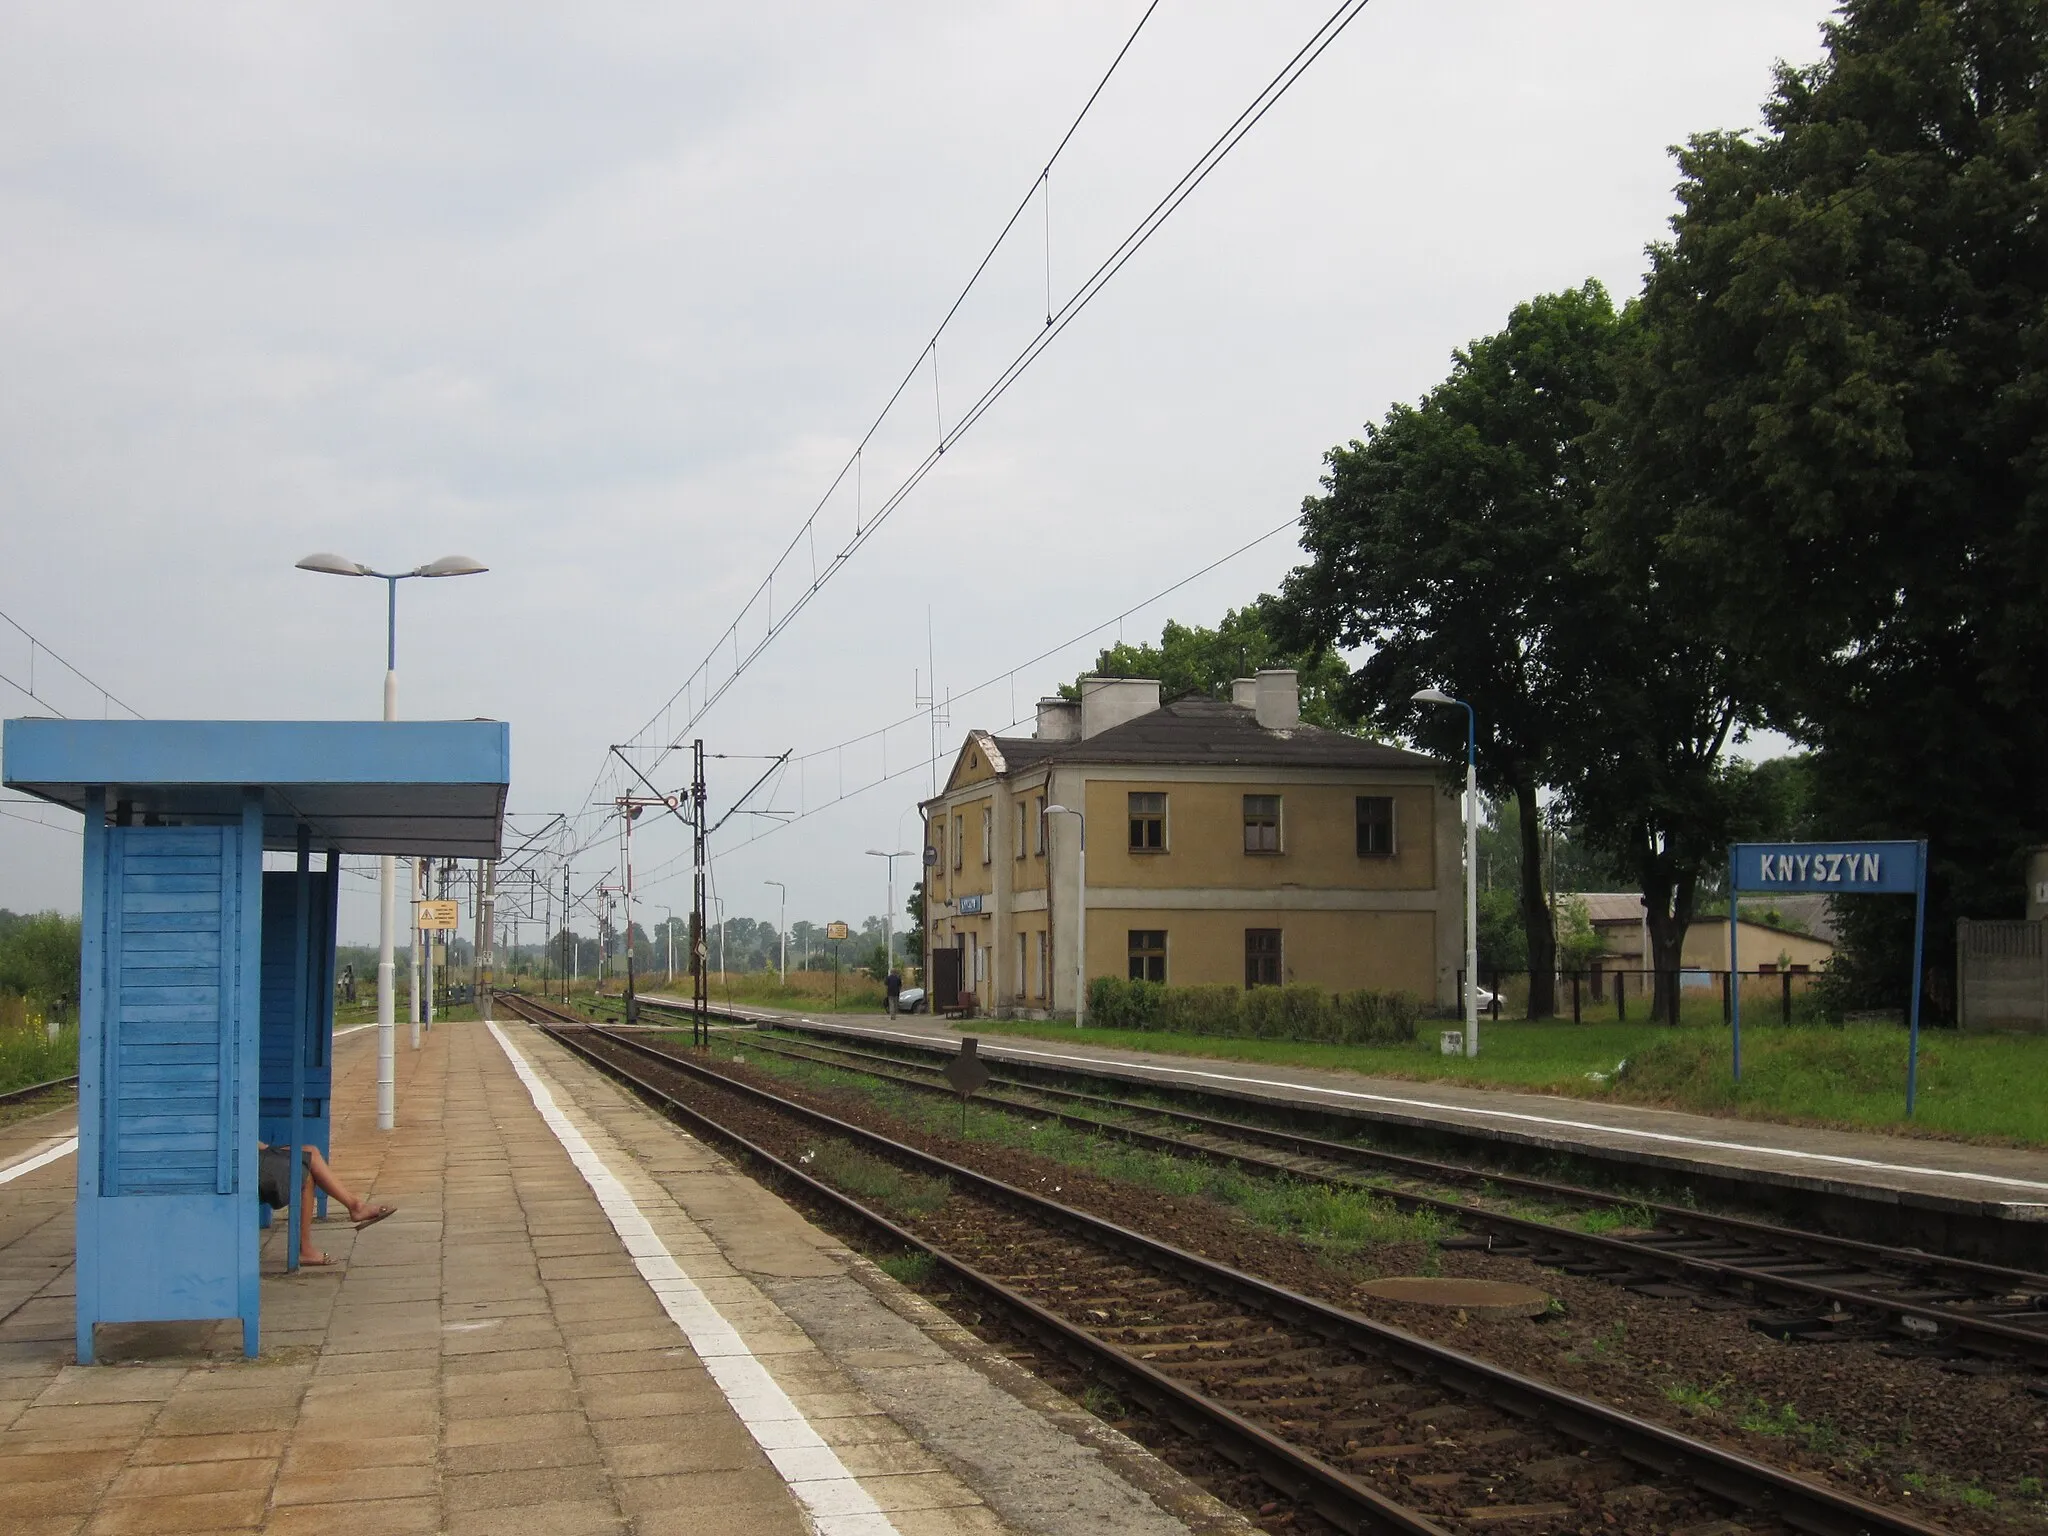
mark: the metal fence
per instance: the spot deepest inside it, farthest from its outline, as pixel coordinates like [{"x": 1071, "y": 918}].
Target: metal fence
[{"x": 1693, "y": 995}]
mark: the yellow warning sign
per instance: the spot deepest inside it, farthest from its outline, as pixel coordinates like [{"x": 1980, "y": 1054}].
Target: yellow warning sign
[
  {"x": 836, "y": 930},
  {"x": 438, "y": 914}
]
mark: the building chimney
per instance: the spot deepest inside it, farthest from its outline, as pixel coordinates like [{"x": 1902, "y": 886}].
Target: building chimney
[
  {"x": 1110, "y": 701},
  {"x": 1244, "y": 692},
  {"x": 1276, "y": 698},
  {"x": 1058, "y": 720}
]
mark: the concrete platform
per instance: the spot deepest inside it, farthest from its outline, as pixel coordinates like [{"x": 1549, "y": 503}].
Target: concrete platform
[
  {"x": 580, "y": 1320},
  {"x": 1954, "y": 1184}
]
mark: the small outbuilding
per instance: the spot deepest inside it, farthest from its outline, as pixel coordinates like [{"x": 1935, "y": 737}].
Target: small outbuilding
[{"x": 206, "y": 999}]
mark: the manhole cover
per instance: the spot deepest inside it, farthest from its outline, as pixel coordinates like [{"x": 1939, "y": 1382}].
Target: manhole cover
[{"x": 1494, "y": 1299}]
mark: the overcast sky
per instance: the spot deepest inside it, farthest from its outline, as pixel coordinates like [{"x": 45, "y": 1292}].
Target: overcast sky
[{"x": 603, "y": 296}]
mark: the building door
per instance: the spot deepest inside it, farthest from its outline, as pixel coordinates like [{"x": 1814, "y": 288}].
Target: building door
[{"x": 945, "y": 979}]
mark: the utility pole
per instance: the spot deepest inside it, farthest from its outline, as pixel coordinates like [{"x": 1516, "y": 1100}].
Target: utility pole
[
  {"x": 487, "y": 935},
  {"x": 419, "y": 890},
  {"x": 700, "y": 989},
  {"x": 627, "y": 812}
]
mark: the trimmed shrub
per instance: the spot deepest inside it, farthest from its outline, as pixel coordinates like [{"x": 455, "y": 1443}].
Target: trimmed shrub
[{"x": 1292, "y": 1012}]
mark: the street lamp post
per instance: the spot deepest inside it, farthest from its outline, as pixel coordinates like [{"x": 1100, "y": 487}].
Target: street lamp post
[
  {"x": 1438, "y": 696},
  {"x": 387, "y": 881},
  {"x": 668, "y": 975},
  {"x": 889, "y": 911},
  {"x": 1080, "y": 911},
  {"x": 782, "y": 925}
]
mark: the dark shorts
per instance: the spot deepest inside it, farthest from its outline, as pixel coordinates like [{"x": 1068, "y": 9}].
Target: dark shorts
[{"x": 274, "y": 1176}]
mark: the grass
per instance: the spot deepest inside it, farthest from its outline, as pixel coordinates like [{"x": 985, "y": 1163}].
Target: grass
[
  {"x": 1334, "y": 1221},
  {"x": 860, "y": 1173},
  {"x": 28, "y": 1056},
  {"x": 908, "y": 1268},
  {"x": 1972, "y": 1087}
]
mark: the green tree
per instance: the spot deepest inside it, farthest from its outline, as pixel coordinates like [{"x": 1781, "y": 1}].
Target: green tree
[
  {"x": 1192, "y": 659},
  {"x": 1448, "y": 541},
  {"x": 39, "y": 960},
  {"x": 1839, "y": 418},
  {"x": 913, "y": 935}
]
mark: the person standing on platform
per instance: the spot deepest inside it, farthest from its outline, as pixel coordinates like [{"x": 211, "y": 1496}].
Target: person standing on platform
[{"x": 893, "y": 985}]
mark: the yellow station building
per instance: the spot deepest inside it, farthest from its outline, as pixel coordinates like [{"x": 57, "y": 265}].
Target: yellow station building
[{"x": 1226, "y": 843}]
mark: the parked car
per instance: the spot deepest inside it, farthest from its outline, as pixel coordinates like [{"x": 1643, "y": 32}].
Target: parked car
[{"x": 912, "y": 1000}]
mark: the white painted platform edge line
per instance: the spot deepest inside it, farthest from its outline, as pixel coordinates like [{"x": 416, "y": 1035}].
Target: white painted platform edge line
[
  {"x": 41, "y": 1159},
  {"x": 352, "y": 1029},
  {"x": 833, "y": 1499},
  {"x": 1836, "y": 1158}
]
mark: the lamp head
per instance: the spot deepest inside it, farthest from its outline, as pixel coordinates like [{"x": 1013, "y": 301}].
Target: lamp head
[
  {"x": 332, "y": 565},
  {"x": 1432, "y": 696},
  {"x": 452, "y": 565},
  {"x": 1057, "y": 810},
  {"x": 876, "y": 853}
]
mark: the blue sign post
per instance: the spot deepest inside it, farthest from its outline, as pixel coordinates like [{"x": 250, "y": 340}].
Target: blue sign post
[{"x": 1833, "y": 869}]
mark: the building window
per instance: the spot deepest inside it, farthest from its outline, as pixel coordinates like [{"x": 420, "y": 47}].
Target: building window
[
  {"x": 1148, "y": 823},
  {"x": 1262, "y": 957},
  {"x": 988, "y": 834},
  {"x": 1038, "y": 977},
  {"x": 1018, "y": 984},
  {"x": 938, "y": 860},
  {"x": 1148, "y": 954},
  {"x": 1261, "y": 823},
  {"x": 1039, "y": 846},
  {"x": 1375, "y": 826},
  {"x": 1020, "y": 840}
]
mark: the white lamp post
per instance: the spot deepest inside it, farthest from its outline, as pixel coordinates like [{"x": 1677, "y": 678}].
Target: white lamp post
[
  {"x": 668, "y": 974},
  {"x": 1438, "y": 696},
  {"x": 889, "y": 911},
  {"x": 782, "y": 925},
  {"x": 387, "y": 892},
  {"x": 1080, "y": 911}
]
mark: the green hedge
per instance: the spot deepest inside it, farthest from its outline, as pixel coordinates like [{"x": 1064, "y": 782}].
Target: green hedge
[{"x": 1262, "y": 1013}]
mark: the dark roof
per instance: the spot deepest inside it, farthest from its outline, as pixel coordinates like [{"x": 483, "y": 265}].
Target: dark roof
[{"x": 1198, "y": 731}]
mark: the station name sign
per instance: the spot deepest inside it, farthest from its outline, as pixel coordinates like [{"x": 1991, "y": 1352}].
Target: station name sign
[{"x": 1838, "y": 868}]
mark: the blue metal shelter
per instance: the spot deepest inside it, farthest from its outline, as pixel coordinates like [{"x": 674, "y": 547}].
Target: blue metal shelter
[{"x": 206, "y": 1007}]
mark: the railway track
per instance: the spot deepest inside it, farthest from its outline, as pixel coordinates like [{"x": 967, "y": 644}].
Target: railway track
[
  {"x": 1372, "y": 1428},
  {"x": 1834, "y": 1287},
  {"x": 21, "y": 1095}
]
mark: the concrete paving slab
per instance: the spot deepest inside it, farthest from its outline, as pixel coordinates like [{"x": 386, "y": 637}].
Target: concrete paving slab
[{"x": 494, "y": 1348}]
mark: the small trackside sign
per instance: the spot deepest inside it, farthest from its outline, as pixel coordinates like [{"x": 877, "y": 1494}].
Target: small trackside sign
[{"x": 438, "y": 915}]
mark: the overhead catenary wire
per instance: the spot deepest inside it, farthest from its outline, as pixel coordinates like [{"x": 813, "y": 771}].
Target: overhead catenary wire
[
  {"x": 28, "y": 690},
  {"x": 662, "y": 870},
  {"x": 699, "y": 693}
]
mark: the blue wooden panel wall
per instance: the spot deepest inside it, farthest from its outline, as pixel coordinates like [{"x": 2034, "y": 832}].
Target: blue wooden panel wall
[
  {"x": 168, "y": 1073},
  {"x": 280, "y": 957},
  {"x": 172, "y": 912}
]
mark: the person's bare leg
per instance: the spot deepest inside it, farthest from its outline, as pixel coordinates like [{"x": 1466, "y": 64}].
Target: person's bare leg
[
  {"x": 318, "y": 1172},
  {"x": 308, "y": 1254}
]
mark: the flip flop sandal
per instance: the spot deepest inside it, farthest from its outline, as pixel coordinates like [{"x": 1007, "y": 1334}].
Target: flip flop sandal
[
  {"x": 376, "y": 1216},
  {"x": 325, "y": 1261}
]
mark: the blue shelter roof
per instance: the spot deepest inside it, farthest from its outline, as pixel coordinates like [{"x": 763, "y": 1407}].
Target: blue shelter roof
[{"x": 433, "y": 787}]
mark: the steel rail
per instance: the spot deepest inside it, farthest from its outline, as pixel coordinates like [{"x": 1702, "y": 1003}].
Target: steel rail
[
  {"x": 1980, "y": 1334},
  {"x": 1298, "y": 1473},
  {"x": 1723, "y": 1473},
  {"x": 15, "y": 1095}
]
